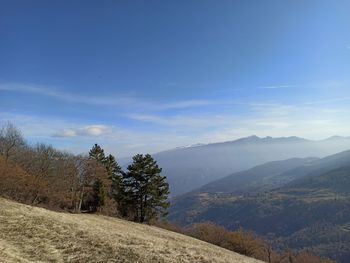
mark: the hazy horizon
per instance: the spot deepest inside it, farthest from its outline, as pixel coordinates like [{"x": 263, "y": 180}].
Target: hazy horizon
[{"x": 151, "y": 76}]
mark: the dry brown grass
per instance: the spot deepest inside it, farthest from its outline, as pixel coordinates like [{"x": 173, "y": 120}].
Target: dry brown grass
[{"x": 31, "y": 234}]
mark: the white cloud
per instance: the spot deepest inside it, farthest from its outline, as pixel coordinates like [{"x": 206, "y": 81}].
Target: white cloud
[
  {"x": 90, "y": 130},
  {"x": 78, "y": 138}
]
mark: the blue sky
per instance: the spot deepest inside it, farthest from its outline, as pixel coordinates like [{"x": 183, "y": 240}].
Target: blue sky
[{"x": 144, "y": 76}]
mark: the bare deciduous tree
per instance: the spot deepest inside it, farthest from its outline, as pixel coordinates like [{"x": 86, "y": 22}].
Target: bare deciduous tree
[{"x": 10, "y": 139}]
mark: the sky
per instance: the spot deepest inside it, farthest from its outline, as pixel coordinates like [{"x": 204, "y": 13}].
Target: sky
[{"x": 146, "y": 76}]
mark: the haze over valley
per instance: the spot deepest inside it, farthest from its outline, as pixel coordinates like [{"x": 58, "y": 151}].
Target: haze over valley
[{"x": 185, "y": 170}]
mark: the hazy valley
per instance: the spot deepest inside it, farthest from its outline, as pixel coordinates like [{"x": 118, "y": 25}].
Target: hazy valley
[
  {"x": 296, "y": 203},
  {"x": 185, "y": 170}
]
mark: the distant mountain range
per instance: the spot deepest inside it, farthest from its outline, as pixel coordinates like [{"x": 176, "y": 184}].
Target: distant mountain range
[
  {"x": 296, "y": 203},
  {"x": 190, "y": 167}
]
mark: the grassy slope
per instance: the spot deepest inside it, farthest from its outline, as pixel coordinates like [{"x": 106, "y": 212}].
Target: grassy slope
[{"x": 31, "y": 234}]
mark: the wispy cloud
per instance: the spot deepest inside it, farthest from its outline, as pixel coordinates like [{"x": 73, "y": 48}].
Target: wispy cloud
[
  {"x": 115, "y": 101},
  {"x": 142, "y": 125},
  {"x": 189, "y": 121},
  {"x": 185, "y": 104},
  {"x": 69, "y": 97},
  {"x": 332, "y": 100},
  {"x": 278, "y": 87}
]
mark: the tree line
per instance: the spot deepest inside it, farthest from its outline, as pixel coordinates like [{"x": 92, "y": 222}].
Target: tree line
[{"x": 44, "y": 176}]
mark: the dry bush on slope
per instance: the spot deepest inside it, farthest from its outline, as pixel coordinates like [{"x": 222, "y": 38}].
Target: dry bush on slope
[
  {"x": 31, "y": 234},
  {"x": 240, "y": 241},
  {"x": 246, "y": 243},
  {"x": 18, "y": 185}
]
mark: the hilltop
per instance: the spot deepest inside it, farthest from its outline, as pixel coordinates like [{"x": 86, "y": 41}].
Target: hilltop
[{"x": 32, "y": 234}]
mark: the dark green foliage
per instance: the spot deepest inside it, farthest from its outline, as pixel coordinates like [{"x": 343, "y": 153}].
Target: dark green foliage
[
  {"x": 141, "y": 193},
  {"x": 97, "y": 153},
  {"x": 146, "y": 191},
  {"x": 102, "y": 176},
  {"x": 113, "y": 169},
  {"x": 115, "y": 173},
  {"x": 100, "y": 194}
]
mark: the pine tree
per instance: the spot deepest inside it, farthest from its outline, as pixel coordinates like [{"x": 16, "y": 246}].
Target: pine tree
[
  {"x": 97, "y": 153},
  {"x": 115, "y": 173},
  {"x": 100, "y": 194},
  {"x": 113, "y": 169},
  {"x": 146, "y": 191},
  {"x": 97, "y": 156}
]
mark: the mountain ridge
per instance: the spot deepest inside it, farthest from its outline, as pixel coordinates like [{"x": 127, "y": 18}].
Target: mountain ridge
[
  {"x": 255, "y": 138},
  {"x": 192, "y": 167}
]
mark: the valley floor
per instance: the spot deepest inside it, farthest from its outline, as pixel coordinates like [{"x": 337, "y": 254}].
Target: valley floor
[{"x": 31, "y": 234}]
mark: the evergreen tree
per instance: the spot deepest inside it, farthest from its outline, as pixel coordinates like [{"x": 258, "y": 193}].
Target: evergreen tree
[
  {"x": 100, "y": 194},
  {"x": 115, "y": 173},
  {"x": 97, "y": 153},
  {"x": 113, "y": 169},
  {"x": 146, "y": 191}
]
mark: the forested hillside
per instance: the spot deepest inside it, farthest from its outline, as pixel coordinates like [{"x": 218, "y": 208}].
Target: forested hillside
[
  {"x": 310, "y": 212},
  {"x": 262, "y": 177}
]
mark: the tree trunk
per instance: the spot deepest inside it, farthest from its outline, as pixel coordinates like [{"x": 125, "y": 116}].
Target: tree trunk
[{"x": 142, "y": 216}]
